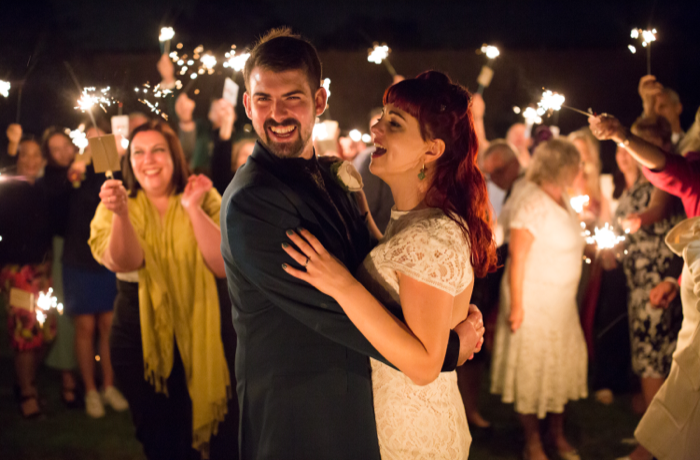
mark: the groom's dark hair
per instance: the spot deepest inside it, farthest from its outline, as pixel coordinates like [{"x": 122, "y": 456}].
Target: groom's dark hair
[{"x": 280, "y": 50}]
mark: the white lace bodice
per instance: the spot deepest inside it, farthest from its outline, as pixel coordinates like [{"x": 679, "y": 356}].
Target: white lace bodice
[
  {"x": 418, "y": 422},
  {"x": 426, "y": 245}
]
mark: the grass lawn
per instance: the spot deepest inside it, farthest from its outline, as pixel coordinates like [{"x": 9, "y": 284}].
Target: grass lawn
[{"x": 596, "y": 430}]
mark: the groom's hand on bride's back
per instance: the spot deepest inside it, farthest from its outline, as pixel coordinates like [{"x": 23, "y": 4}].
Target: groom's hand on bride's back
[{"x": 471, "y": 334}]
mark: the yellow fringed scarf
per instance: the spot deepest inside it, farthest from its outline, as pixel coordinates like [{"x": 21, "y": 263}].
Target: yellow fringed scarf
[{"x": 177, "y": 297}]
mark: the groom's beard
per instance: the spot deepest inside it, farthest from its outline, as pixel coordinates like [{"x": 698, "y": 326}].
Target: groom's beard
[{"x": 292, "y": 149}]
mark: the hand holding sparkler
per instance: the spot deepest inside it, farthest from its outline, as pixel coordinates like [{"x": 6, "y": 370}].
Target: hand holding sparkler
[
  {"x": 14, "y": 135},
  {"x": 166, "y": 69},
  {"x": 166, "y": 34},
  {"x": 114, "y": 197},
  {"x": 486, "y": 74},
  {"x": 605, "y": 127}
]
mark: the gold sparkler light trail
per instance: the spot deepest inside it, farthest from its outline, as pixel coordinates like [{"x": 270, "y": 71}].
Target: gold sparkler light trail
[
  {"x": 490, "y": 51},
  {"x": 5, "y": 88},
  {"x": 158, "y": 93}
]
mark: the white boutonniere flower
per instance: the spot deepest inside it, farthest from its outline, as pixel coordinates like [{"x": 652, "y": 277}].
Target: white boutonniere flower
[{"x": 347, "y": 176}]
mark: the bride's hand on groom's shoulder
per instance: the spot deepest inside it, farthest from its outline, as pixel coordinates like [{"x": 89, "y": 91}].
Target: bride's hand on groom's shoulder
[
  {"x": 322, "y": 270},
  {"x": 471, "y": 334}
]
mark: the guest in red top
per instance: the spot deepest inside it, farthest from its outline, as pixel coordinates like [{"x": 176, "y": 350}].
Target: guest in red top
[{"x": 675, "y": 174}]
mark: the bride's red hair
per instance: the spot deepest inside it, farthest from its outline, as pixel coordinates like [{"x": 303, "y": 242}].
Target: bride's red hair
[{"x": 443, "y": 111}]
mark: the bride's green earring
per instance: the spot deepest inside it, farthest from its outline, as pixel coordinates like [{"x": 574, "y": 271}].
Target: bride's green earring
[{"x": 421, "y": 174}]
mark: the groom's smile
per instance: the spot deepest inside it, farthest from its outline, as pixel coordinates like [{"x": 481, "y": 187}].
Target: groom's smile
[{"x": 283, "y": 110}]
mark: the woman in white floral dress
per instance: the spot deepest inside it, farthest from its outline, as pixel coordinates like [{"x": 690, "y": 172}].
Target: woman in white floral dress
[
  {"x": 540, "y": 360},
  {"x": 437, "y": 240}
]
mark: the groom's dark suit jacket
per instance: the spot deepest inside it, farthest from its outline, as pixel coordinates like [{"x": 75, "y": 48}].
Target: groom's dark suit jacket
[{"x": 303, "y": 376}]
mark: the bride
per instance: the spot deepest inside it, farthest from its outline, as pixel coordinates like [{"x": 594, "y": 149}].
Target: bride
[{"x": 437, "y": 240}]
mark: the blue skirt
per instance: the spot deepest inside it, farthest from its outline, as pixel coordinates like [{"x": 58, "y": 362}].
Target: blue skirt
[{"x": 88, "y": 292}]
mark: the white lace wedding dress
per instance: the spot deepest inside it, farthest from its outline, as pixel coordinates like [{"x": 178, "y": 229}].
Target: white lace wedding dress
[{"x": 418, "y": 422}]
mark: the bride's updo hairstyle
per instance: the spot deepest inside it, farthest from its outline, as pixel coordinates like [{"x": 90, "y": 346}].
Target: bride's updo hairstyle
[{"x": 443, "y": 111}]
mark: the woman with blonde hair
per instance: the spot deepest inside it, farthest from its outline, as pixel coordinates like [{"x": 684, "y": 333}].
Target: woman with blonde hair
[{"x": 539, "y": 360}]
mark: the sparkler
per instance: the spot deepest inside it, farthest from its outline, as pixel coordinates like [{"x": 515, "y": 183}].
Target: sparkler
[
  {"x": 552, "y": 101},
  {"x": 90, "y": 97},
  {"x": 166, "y": 34},
  {"x": 5, "y": 88},
  {"x": 78, "y": 137},
  {"x": 603, "y": 238},
  {"x": 209, "y": 62},
  {"x": 327, "y": 85},
  {"x": 236, "y": 61},
  {"x": 579, "y": 202},
  {"x": 158, "y": 93},
  {"x": 380, "y": 53},
  {"x": 45, "y": 302},
  {"x": 646, "y": 36},
  {"x": 486, "y": 74}
]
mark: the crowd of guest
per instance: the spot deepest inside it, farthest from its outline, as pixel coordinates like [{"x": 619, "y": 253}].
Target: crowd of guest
[{"x": 136, "y": 263}]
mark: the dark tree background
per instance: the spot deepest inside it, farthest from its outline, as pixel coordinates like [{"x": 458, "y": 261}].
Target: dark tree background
[{"x": 575, "y": 47}]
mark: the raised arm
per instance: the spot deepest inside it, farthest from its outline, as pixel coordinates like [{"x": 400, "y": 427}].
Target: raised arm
[
  {"x": 206, "y": 231},
  {"x": 519, "y": 247},
  {"x": 606, "y": 127},
  {"x": 256, "y": 222},
  {"x": 123, "y": 252}
]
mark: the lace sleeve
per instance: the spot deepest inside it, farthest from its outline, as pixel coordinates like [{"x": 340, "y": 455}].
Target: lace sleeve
[
  {"x": 529, "y": 213},
  {"x": 433, "y": 252}
]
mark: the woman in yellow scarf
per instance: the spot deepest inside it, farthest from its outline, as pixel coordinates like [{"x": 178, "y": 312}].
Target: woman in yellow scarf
[{"x": 165, "y": 227}]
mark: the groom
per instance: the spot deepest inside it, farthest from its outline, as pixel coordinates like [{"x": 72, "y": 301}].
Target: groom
[{"x": 303, "y": 374}]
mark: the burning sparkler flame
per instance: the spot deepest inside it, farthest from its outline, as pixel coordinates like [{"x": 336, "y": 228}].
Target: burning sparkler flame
[
  {"x": 604, "y": 238},
  {"x": 327, "y": 84},
  {"x": 647, "y": 36},
  {"x": 78, "y": 137},
  {"x": 91, "y": 97},
  {"x": 551, "y": 101},
  {"x": 166, "y": 33},
  {"x": 632, "y": 49},
  {"x": 237, "y": 61},
  {"x": 532, "y": 116},
  {"x": 45, "y": 302},
  {"x": 490, "y": 51},
  {"x": 208, "y": 61},
  {"x": 378, "y": 53},
  {"x": 5, "y": 88},
  {"x": 579, "y": 202}
]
